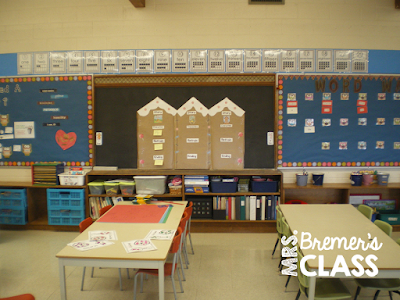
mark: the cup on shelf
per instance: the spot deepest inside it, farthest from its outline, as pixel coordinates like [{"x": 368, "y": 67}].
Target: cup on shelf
[
  {"x": 383, "y": 178},
  {"x": 356, "y": 179},
  {"x": 318, "y": 178},
  {"x": 367, "y": 179},
  {"x": 301, "y": 179}
]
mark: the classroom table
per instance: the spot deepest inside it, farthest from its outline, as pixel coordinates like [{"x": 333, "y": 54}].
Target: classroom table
[
  {"x": 115, "y": 256},
  {"x": 340, "y": 220}
]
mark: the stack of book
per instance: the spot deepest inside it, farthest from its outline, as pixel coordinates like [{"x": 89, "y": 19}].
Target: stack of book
[
  {"x": 46, "y": 173},
  {"x": 196, "y": 184}
]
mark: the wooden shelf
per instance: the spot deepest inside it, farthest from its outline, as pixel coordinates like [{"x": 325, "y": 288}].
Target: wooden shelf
[{"x": 202, "y": 225}]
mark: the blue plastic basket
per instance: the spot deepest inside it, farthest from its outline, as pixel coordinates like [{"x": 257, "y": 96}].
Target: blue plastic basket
[{"x": 65, "y": 198}]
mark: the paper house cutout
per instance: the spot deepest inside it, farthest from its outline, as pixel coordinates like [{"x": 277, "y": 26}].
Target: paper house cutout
[
  {"x": 227, "y": 136},
  {"x": 192, "y": 146},
  {"x": 155, "y": 135}
]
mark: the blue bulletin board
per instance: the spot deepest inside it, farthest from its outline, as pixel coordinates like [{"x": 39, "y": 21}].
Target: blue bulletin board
[
  {"x": 46, "y": 119},
  {"x": 338, "y": 121}
]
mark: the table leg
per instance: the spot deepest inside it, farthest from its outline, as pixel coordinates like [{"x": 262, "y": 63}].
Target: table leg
[
  {"x": 63, "y": 289},
  {"x": 161, "y": 280},
  {"x": 311, "y": 289}
]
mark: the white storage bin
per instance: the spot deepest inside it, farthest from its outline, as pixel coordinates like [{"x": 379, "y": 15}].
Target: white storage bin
[
  {"x": 68, "y": 179},
  {"x": 151, "y": 185}
]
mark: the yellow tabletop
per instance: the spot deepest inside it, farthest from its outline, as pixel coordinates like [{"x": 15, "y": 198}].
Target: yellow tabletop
[
  {"x": 127, "y": 232},
  {"x": 343, "y": 221}
]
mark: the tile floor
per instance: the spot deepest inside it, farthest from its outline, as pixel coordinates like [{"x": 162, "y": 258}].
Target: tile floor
[{"x": 224, "y": 266}]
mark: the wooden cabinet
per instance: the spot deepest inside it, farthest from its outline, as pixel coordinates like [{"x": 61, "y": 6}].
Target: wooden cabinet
[
  {"x": 337, "y": 193},
  {"x": 201, "y": 225}
]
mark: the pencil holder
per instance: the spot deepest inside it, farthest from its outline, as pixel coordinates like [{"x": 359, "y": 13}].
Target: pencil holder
[{"x": 301, "y": 179}]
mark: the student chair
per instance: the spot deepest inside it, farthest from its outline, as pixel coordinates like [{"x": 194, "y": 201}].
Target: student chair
[
  {"x": 182, "y": 226},
  {"x": 379, "y": 284},
  {"x": 104, "y": 209},
  {"x": 189, "y": 211},
  {"x": 366, "y": 210},
  {"x": 278, "y": 227},
  {"x": 82, "y": 227},
  {"x": 169, "y": 268},
  {"x": 325, "y": 288},
  {"x": 386, "y": 227},
  {"x": 20, "y": 297},
  {"x": 189, "y": 224}
]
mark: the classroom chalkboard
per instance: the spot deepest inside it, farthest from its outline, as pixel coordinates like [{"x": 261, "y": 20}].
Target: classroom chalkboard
[
  {"x": 116, "y": 107},
  {"x": 338, "y": 121},
  {"x": 45, "y": 119}
]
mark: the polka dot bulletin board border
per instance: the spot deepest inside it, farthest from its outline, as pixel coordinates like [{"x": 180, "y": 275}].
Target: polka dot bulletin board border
[
  {"x": 61, "y": 109},
  {"x": 338, "y": 121}
]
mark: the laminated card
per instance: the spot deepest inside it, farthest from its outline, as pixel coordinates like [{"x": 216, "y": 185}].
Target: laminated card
[
  {"x": 192, "y": 136},
  {"x": 227, "y": 136},
  {"x": 155, "y": 135}
]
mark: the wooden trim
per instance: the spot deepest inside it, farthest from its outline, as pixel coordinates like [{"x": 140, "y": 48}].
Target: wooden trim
[
  {"x": 183, "y": 80},
  {"x": 138, "y": 3}
]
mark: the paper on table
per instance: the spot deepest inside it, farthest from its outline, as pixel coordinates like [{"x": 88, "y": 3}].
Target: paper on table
[
  {"x": 101, "y": 235},
  {"x": 139, "y": 246},
  {"x": 88, "y": 245},
  {"x": 160, "y": 234}
]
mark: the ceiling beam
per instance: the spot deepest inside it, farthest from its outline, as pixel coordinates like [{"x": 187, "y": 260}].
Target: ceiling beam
[{"x": 138, "y": 3}]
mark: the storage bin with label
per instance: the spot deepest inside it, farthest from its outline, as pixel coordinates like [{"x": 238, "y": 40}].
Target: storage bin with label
[
  {"x": 127, "y": 187},
  {"x": 96, "y": 187},
  {"x": 112, "y": 187},
  {"x": 152, "y": 185}
]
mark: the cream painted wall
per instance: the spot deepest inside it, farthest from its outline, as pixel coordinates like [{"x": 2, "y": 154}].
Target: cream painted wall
[{"x": 51, "y": 25}]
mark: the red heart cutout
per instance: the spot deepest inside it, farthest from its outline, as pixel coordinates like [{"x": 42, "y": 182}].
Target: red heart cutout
[{"x": 65, "y": 140}]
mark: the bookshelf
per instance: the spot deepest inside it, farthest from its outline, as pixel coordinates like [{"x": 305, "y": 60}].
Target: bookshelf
[{"x": 201, "y": 225}]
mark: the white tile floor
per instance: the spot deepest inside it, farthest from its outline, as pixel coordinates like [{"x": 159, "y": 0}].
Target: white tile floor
[{"x": 224, "y": 266}]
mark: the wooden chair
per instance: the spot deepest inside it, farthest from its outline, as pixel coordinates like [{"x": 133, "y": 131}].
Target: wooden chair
[
  {"x": 169, "y": 268},
  {"x": 20, "y": 297}
]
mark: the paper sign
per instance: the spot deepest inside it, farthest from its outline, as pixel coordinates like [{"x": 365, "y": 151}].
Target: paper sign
[
  {"x": 326, "y": 109},
  {"x": 362, "y": 110},
  {"x": 292, "y": 111},
  {"x": 327, "y": 103},
  {"x": 309, "y": 129},
  {"x": 158, "y": 147},
  {"x": 157, "y": 132},
  {"x": 291, "y": 104},
  {"x": 158, "y": 162},
  {"x": 139, "y": 246},
  {"x": 362, "y": 103}
]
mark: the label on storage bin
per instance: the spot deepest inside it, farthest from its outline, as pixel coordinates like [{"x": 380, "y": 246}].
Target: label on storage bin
[{"x": 226, "y": 155}]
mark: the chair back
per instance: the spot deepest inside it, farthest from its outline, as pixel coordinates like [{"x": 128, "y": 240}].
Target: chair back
[
  {"x": 386, "y": 227},
  {"x": 279, "y": 220},
  {"x": 176, "y": 242},
  {"x": 295, "y": 202},
  {"x": 85, "y": 224},
  {"x": 366, "y": 210},
  {"x": 20, "y": 297},
  {"x": 303, "y": 279},
  {"x": 104, "y": 210},
  {"x": 285, "y": 228},
  {"x": 183, "y": 222}
]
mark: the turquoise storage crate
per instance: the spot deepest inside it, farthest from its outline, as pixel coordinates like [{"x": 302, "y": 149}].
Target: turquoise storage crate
[
  {"x": 13, "y": 216},
  {"x": 390, "y": 216},
  {"x": 13, "y": 198},
  {"x": 65, "y": 206},
  {"x": 13, "y": 207},
  {"x": 66, "y": 198},
  {"x": 65, "y": 216}
]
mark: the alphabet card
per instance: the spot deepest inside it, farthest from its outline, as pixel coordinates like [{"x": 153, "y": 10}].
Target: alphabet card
[
  {"x": 155, "y": 135},
  {"x": 192, "y": 136},
  {"x": 227, "y": 136}
]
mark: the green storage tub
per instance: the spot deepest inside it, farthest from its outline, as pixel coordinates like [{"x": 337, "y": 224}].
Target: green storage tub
[
  {"x": 96, "y": 187},
  {"x": 390, "y": 216}
]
